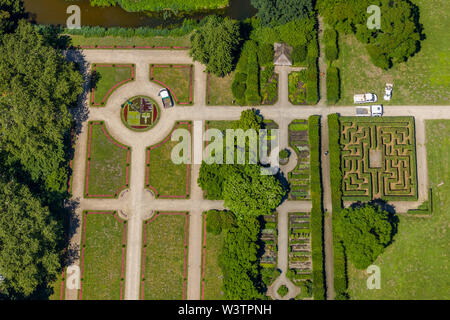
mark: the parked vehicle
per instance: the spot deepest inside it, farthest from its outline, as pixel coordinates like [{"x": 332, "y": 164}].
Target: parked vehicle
[
  {"x": 388, "y": 91},
  {"x": 370, "y": 111},
  {"x": 365, "y": 98},
  {"x": 166, "y": 98}
]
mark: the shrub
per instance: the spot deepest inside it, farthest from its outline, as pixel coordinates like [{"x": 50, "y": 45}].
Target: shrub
[
  {"x": 283, "y": 290},
  {"x": 265, "y": 54},
  {"x": 312, "y": 94},
  {"x": 333, "y": 85},
  {"x": 378, "y": 57},
  {"x": 299, "y": 54},
  {"x": 284, "y": 154},
  {"x": 252, "y": 93},
  {"x": 238, "y": 87}
]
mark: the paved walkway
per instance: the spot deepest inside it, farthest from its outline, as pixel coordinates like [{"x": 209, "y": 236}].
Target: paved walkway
[{"x": 137, "y": 204}]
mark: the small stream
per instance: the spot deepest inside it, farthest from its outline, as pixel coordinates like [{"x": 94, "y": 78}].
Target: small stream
[{"x": 54, "y": 12}]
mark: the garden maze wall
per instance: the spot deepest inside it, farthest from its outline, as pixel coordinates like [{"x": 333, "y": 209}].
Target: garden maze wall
[{"x": 378, "y": 158}]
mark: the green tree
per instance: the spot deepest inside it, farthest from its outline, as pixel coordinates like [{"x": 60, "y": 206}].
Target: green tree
[
  {"x": 365, "y": 231},
  {"x": 10, "y": 12},
  {"x": 28, "y": 241},
  {"x": 216, "y": 221},
  {"x": 37, "y": 87},
  {"x": 239, "y": 261},
  {"x": 248, "y": 192},
  {"x": 215, "y": 44}
]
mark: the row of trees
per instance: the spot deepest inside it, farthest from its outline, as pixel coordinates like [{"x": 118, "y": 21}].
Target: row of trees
[
  {"x": 37, "y": 88},
  {"x": 397, "y": 39}
]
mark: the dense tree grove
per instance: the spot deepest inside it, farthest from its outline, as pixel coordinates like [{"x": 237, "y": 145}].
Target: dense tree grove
[
  {"x": 37, "y": 88},
  {"x": 396, "y": 41},
  {"x": 29, "y": 237},
  {"x": 216, "y": 44},
  {"x": 276, "y": 12},
  {"x": 365, "y": 232}
]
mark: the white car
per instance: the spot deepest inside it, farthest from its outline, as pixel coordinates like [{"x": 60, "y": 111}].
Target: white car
[
  {"x": 166, "y": 98},
  {"x": 365, "y": 98},
  {"x": 388, "y": 91}
]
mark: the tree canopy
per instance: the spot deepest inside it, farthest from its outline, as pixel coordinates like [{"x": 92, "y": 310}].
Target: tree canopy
[
  {"x": 10, "y": 12},
  {"x": 366, "y": 231},
  {"x": 28, "y": 241},
  {"x": 215, "y": 44},
  {"x": 277, "y": 12},
  {"x": 37, "y": 88}
]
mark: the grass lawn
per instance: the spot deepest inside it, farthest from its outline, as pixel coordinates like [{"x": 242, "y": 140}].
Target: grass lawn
[
  {"x": 102, "y": 256},
  {"x": 177, "y": 78},
  {"x": 106, "y": 78},
  {"x": 165, "y": 178},
  {"x": 57, "y": 288},
  {"x": 107, "y": 167},
  {"x": 157, "y": 41},
  {"x": 219, "y": 90},
  {"x": 423, "y": 80},
  {"x": 211, "y": 273},
  {"x": 165, "y": 252},
  {"x": 415, "y": 266}
]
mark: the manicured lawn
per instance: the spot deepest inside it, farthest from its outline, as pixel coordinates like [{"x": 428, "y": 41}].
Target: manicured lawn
[
  {"x": 103, "y": 255},
  {"x": 157, "y": 41},
  {"x": 423, "y": 80},
  {"x": 164, "y": 274},
  {"x": 415, "y": 266},
  {"x": 106, "y": 78},
  {"x": 211, "y": 273},
  {"x": 219, "y": 90},
  {"x": 165, "y": 178},
  {"x": 107, "y": 165},
  {"x": 177, "y": 78}
]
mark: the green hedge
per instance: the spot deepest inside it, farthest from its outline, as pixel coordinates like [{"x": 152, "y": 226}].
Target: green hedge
[
  {"x": 188, "y": 26},
  {"x": 340, "y": 266},
  {"x": 426, "y": 207},
  {"x": 333, "y": 85},
  {"x": 331, "y": 48},
  {"x": 316, "y": 211},
  {"x": 252, "y": 93}
]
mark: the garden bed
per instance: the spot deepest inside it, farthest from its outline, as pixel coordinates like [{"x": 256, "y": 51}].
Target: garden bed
[
  {"x": 297, "y": 87},
  {"x": 103, "y": 254},
  {"x": 299, "y": 178},
  {"x": 106, "y": 78},
  {"x": 163, "y": 177},
  {"x": 107, "y": 163},
  {"x": 178, "y": 79},
  {"x": 140, "y": 113},
  {"x": 164, "y": 256}
]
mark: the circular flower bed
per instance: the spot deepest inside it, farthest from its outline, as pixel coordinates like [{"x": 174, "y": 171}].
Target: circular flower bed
[{"x": 140, "y": 113}]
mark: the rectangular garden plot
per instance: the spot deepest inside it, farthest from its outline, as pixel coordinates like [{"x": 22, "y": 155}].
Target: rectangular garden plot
[
  {"x": 164, "y": 177},
  {"x": 164, "y": 254},
  {"x": 218, "y": 91},
  {"x": 299, "y": 178},
  {"x": 103, "y": 253},
  {"x": 269, "y": 236},
  {"x": 297, "y": 87},
  {"x": 107, "y": 163},
  {"x": 300, "y": 256},
  {"x": 105, "y": 78},
  {"x": 378, "y": 158},
  {"x": 178, "y": 79},
  {"x": 211, "y": 272}
]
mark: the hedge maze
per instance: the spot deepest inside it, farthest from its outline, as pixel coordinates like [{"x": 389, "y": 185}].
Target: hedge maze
[{"x": 378, "y": 158}]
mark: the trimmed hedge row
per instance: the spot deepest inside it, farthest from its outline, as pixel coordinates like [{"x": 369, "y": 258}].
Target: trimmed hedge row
[
  {"x": 316, "y": 211},
  {"x": 340, "y": 263},
  {"x": 333, "y": 85},
  {"x": 331, "y": 49},
  {"x": 144, "y": 32},
  {"x": 252, "y": 93},
  {"x": 312, "y": 80},
  {"x": 426, "y": 207}
]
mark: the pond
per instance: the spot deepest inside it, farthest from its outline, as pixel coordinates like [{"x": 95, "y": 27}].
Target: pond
[{"x": 54, "y": 12}]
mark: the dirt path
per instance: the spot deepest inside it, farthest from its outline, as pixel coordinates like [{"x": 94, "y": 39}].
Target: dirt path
[{"x": 137, "y": 204}]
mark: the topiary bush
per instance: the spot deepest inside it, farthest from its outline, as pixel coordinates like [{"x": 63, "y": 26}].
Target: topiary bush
[{"x": 333, "y": 85}]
